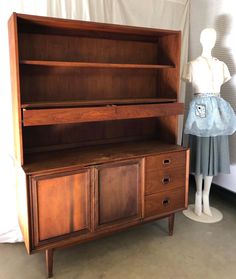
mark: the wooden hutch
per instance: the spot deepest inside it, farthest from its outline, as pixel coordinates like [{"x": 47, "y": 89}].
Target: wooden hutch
[{"x": 95, "y": 126}]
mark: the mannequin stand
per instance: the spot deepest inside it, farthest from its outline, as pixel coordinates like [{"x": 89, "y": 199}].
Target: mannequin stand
[{"x": 203, "y": 218}]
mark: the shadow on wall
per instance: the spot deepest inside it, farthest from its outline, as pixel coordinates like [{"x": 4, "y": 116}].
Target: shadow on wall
[{"x": 223, "y": 26}]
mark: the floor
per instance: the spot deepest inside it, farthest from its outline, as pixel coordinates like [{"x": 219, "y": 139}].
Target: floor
[{"x": 195, "y": 251}]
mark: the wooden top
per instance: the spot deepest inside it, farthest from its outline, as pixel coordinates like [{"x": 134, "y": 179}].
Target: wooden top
[
  {"x": 87, "y": 156},
  {"x": 27, "y": 23},
  {"x": 71, "y": 23}
]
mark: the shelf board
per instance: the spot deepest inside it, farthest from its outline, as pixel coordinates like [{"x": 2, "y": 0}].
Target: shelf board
[
  {"x": 51, "y": 116},
  {"x": 67, "y": 64},
  {"x": 106, "y": 102},
  {"x": 87, "y": 156}
]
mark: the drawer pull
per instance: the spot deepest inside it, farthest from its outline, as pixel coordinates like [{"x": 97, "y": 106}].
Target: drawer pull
[
  {"x": 166, "y": 162},
  {"x": 165, "y": 180},
  {"x": 166, "y": 202}
]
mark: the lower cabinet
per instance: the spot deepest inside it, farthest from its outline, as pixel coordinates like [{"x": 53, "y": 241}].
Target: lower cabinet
[
  {"x": 68, "y": 207},
  {"x": 60, "y": 205},
  {"x": 106, "y": 196},
  {"x": 117, "y": 193}
]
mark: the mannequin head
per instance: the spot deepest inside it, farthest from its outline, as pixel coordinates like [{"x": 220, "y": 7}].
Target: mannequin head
[{"x": 208, "y": 38}]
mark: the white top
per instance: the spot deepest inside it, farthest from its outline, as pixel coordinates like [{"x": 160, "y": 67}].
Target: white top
[{"x": 206, "y": 75}]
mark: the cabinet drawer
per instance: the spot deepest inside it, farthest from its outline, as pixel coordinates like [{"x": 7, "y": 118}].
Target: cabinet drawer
[
  {"x": 165, "y": 172},
  {"x": 166, "y": 161},
  {"x": 164, "y": 202},
  {"x": 164, "y": 179}
]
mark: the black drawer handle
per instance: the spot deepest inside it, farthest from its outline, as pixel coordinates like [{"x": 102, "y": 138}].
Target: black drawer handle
[
  {"x": 166, "y": 202},
  {"x": 166, "y": 162},
  {"x": 165, "y": 180}
]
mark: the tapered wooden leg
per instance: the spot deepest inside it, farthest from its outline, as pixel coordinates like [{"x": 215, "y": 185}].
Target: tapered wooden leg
[
  {"x": 49, "y": 262},
  {"x": 171, "y": 220}
]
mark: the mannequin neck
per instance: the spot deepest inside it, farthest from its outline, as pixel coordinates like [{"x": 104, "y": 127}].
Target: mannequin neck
[{"x": 206, "y": 53}]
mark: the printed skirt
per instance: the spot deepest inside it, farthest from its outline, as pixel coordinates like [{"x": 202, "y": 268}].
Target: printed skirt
[{"x": 209, "y": 116}]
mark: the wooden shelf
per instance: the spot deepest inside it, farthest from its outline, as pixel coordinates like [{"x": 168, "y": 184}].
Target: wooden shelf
[
  {"x": 92, "y": 65},
  {"x": 87, "y": 156},
  {"x": 84, "y": 103},
  {"x": 50, "y": 116}
]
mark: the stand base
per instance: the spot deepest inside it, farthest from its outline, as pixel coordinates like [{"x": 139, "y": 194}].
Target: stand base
[{"x": 203, "y": 218}]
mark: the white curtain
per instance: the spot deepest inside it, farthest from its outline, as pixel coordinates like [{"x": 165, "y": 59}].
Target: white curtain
[{"x": 167, "y": 14}]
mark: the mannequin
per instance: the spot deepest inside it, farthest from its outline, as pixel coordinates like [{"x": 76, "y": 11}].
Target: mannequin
[{"x": 210, "y": 120}]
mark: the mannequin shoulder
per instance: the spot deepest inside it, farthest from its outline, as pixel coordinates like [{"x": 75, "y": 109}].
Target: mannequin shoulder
[
  {"x": 221, "y": 66},
  {"x": 195, "y": 62},
  {"x": 219, "y": 62},
  {"x": 216, "y": 60}
]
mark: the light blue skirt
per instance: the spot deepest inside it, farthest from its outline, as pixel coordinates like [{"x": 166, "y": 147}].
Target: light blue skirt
[{"x": 210, "y": 116}]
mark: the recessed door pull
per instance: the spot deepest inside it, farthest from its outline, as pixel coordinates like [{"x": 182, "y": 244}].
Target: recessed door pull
[
  {"x": 165, "y": 180},
  {"x": 166, "y": 162},
  {"x": 166, "y": 202}
]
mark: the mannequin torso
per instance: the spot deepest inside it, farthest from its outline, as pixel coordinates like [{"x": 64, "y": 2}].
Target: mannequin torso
[{"x": 206, "y": 74}]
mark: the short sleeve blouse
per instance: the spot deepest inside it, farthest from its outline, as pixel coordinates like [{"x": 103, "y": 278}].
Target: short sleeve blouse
[{"x": 206, "y": 77}]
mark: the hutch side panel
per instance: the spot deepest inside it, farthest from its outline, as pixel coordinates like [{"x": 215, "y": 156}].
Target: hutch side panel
[
  {"x": 23, "y": 208},
  {"x": 169, "y": 78},
  {"x": 15, "y": 87}
]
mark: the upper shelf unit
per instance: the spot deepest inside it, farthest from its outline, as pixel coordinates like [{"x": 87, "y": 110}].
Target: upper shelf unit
[
  {"x": 68, "y": 61},
  {"x": 69, "y": 76},
  {"x": 72, "y": 64},
  {"x": 68, "y": 41}
]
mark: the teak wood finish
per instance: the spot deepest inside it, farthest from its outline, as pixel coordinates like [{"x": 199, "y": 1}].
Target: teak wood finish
[
  {"x": 95, "y": 124},
  {"x": 33, "y": 117},
  {"x": 64, "y": 197}
]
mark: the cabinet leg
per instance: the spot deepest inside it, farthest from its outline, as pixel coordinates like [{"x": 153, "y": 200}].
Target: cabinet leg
[
  {"x": 171, "y": 220},
  {"x": 49, "y": 262}
]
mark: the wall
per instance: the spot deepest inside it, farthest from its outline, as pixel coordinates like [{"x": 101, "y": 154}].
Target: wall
[{"x": 219, "y": 14}]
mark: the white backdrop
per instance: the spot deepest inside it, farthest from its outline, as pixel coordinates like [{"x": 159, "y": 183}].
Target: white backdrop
[
  {"x": 220, "y": 15},
  {"x": 167, "y": 14}
]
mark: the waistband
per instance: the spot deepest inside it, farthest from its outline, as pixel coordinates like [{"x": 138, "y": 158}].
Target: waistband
[{"x": 206, "y": 94}]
